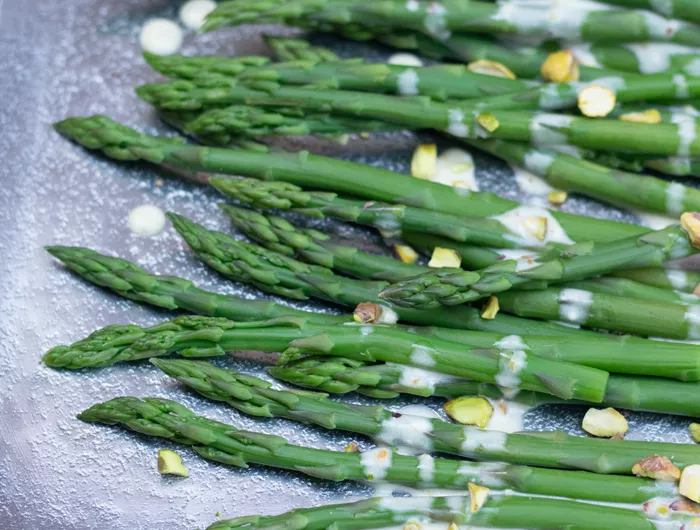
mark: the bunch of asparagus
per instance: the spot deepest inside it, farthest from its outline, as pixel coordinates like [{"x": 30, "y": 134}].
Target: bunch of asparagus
[{"x": 422, "y": 330}]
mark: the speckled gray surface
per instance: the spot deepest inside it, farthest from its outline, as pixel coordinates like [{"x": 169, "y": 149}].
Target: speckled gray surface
[{"x": 82, "y": 57}]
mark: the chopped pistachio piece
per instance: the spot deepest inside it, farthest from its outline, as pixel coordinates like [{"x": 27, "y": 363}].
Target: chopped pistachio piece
[
  {"x": 367, "y": 312},
  {"x": 493, "y": 68},
  {"x": 690, "y": 222},
  {"x": 477, "y": 496},
  {"x": 537, "y": 226},
  {"x": 445, "y": 257},
  {"x": 657, "y": 467},
  {"x": 453, "y": 526},
  {"x": 424, "y": 162},
  {"x": 352, "y": 447},
  {"x": 557, "y": 197},
  {"x": 488, "y": 122},
  {"x": 605, "y": 423},
  {"x": 170, "y": 463},
  {"x": 470, "y": 410},
  {"x": 689, "y": 485},
  {"x": 648, "y": 116},
  {"x": 596, "y": 101},
  {"x": 695, "y": 431},
  {"x": 560, "y": 67},
  {"x": 685, "y": 505},
  {"x": 491, "y": 309},
  {"x": 406, "y": 253}
]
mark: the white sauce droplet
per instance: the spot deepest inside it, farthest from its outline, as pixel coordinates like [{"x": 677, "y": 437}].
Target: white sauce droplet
[
  {"x": 526, "y": 259},
  {"x": 511, "y": 364},
  {"x": 677, "y": 278},
  {"x": 408, "y": 432},
  {"x": 426, "y": 468},
  {"x": 687, "y": 133},
  {"x": 655, "y": 57},
  {"x": 534, "y": 187},
  {"x": 515, "y": 221},
  {"x": 475, "y": 439},
  {"x": 675, "y": 196},
  {"x": 193, "y": 13},
  {"x": 692, "y": 317},
  {"x": 456, "y": 126},
  {"x": 422, "y": 355},
  {"x": 388, "y": 316},
  {"x": 407, "y": 82},
  {"x": 146, "y": 220},
  {"x": 405, "y": 59},
  {"x": 575, "y": 305},
  {"x": 161, "y": 36},
  {"x": 543, "y": 129},
  {"x": 507, "y": 416},
  {"x": 376, "y": 463},
  {"x": 681, "y": 83},
  {"x": 418, "y": 378}
]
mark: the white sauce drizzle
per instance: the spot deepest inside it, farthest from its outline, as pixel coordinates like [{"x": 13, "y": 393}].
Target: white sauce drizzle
[
  {"x": 407, "y": 82},
  {"x": 538, "y": 162},
  {"x": 507, "y": 416},
  {"x": 376, "y": 463},
  {"x": 543, "y": 129},
  {"x": 511, "y": 342},
  {"x": 476, "y": 439},
  {"x": 687, "y": 133},
  {"x": 426, "y": 468},
  {"x": 161, "y": 36},
  {"x": 419, "y": 378},
  {"x": 535, "y": 188},
  {"x": 655, "y": 221},
  {"x": 409, "y": 431},
  {"x": 525, "y": 259},
  {"x": 455, "y": 167},
  {"x": 692, "y": 68},
  {"x": 678, "y": 278},
  {"x": 388, "y": 316},
  {"x": 584, "y": 56},
  {"x": 515, "y": 221},
  {"x": 193, "y": 13},
  {"x": 575, "y": 305},
  {"x": 435, "y": 22},
  {"x": 422, "y": 355},
  {"x": 405, "y": 59},
  {"x": 655, "y": 57},
  {"x": 675, "y": 196},
  {"x": 681, "y": 84},
  {"x": 146, "y": 220},
  {"x": 692, "y": 317},
  {"x": 511, "y": 363},
  {"x": 658, "y": 27},
  {"x": 456, "y": 126}
]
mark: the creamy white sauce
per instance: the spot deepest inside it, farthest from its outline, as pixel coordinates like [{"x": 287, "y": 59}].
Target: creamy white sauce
[
  {"x": 405, "y": 59},
  {"x": 665, "y": 7},
  {"x": 515, "y": 221},
  {"x": 688, "y": 298},
  {"x": 426, "y": 468},
  {"x": 681, "y": 84},
  {"x": 511, "y": 342},
  {"x": 535, "y": 188},
  {"x": 543, "y": 129},
  {"x": 422, "y": 355},
  {"x": 655, "y": 57},
  {"x": 525, "y": 259},
  {"x": 366, "y": 330},
  {"x": 511, "y": 363},
  {"x": 655, "y": 221},
  {"x": 613, "y": 83},
  {"x": 455, "y": 167},
  {"x": 479, "y": 439},
  {"x": 405, "y": 504},
  {"x": 507, "y": 416},
  {"x": 408, "y": 432},
  {"x": 575, "y": 305},
  {"x": 692, "y": 68},
  {"x": 146, "y": 220},
  {"x": 583, "y": 55},
  {"x": 161, "y": 36},
  {"x": 538, "y": 162},
  {"x": 407, "y": 82},
  {"x": 678, "y": 278},
  {"x": 687, "y": 133},
  {"x": 435, "y": 23},
  {"x": 412, "y": 5},
  {"x": 193, "y": 13},
  {"x": 456, "y": 125},
  {"x": 419, "y": 378},
  {"x": 658, "y": 27},
  {"x": 376, "y": 463},
  {"x": 388, "y": 316},
  {"x": 675, "y": 196},
  {"x": 692, "y": 317}
]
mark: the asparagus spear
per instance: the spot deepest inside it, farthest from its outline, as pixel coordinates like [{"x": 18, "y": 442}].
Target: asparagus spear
[
  {"x": 123, "y": 143},
  {"x": 256, "y": 397},
  {"x": 640, "y": 58},
  {"x": 614, "y": 313},
  {"x": 450, "y": 286},
  {"x": 679, "y": 280},
  {"x": 176, "y": 293},
  {"x": 680, "y": 9},
  {"x": 566, "y": 172},
  {"x": 659, "y": 139},
  {"x": 631, "y": 289},
  {"x": 590, "y": 22},
  {"x": 386, "y": 381},
  {"x": 437, "y": 82},
  {"x": 679, "y": 166},
  {"x": 204, "y": 336},
  {"x": 279, "y": 235},
  {"x": 224, "y": 443},
  {"x": 290, "y": 49},
  {"x": 497, "y": 511}
]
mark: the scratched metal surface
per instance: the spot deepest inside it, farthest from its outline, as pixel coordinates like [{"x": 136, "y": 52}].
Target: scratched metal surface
[{"x": 82, "y": 57}]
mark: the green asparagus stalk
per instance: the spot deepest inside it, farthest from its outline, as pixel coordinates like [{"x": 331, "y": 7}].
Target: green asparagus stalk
[
  {"x": 389, "y": 219},
  {"x": 385, "y": 381},
  {"x": 180, "y": 67},
  {"x": 170, "y": 292},
  {"x": 503, "y": 511},
  {"x": 256, "y": 397},
  {"x": 441, "y": 82},
  {"x": 566, "y": 172},
  {"x": 313, "y": 246},
  {"x": 678, "y": 280},
  {"x": 123, "y": 143},
  {"x": 224, "y": 443},
  {"x": 614, "y": 313},
  {"x": 660, "y": 139},
  {"x": 679, "y": 166},
  {"x": 206, "y": 337},
  {"x": 640, "y": 58},
  {"x": 631, "y": 289},
  {"x": 679, "y": 9},
  {"x": 585, "y": 22},
  {"x": 290, "y": 49},
  {"x": 130, "y": 281}
]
